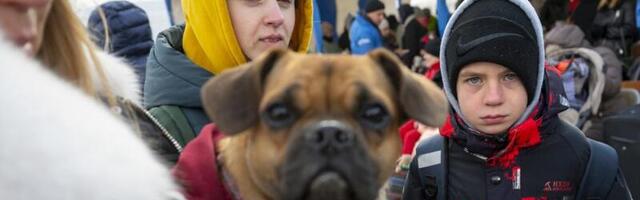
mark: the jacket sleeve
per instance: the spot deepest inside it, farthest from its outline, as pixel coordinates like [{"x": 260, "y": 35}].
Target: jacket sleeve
[
  {"x": 363, "y": 42},
  {"x": 412, "y": 188},
  {"x": 619, "y": 189}
]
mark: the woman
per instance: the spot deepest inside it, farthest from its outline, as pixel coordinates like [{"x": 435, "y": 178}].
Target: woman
[
  {"x": 49, "y": 31},
  {"x": 218, "y": 35}
]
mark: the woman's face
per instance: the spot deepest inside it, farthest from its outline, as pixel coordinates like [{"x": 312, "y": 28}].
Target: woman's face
[
  {"x": 262, "y": 24},
  {"x": 23, "y": 22}
]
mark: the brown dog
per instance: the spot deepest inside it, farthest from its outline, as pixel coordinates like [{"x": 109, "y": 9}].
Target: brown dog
[{"x": 316, "y": 127}]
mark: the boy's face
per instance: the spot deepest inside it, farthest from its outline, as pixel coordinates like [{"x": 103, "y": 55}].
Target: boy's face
[{"x": 491, "y": 97}]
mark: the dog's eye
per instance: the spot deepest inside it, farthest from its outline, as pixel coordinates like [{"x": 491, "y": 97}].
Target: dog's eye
[
  {"x": 279, "y": 115},
  {"x": 374, "y": 116}
]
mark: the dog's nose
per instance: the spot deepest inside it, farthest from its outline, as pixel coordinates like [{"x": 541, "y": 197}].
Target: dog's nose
[{"x": 330, "y": 136}]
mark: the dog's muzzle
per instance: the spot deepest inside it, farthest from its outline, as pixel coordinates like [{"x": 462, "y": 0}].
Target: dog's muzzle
[
  {"x": 329, "y": 137},
  {"x": 327, "y": 161}
]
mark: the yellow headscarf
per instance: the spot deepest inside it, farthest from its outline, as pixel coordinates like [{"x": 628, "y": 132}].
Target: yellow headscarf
[{"x": 210, "y": 41}]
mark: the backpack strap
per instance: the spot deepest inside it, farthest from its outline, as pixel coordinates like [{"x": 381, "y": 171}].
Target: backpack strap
[
  {"x": 600, "y": 173},
  {"x": 431, "y": 157},
  {"x": 175, "y": 122}
]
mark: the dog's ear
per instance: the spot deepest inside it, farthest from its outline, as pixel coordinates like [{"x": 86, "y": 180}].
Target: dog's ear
[
  {"x": 419, "y": 98},
  {"x": 231, "y": 98}
]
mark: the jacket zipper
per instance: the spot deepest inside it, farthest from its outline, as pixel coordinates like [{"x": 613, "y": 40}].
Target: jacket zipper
[{"x": 164, "y": 131}]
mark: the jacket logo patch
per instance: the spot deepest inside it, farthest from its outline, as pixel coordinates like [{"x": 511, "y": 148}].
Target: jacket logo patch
[
  {"x": 557, "y": 186},
  {"x": 514, "y": 177},
  {"x": 364, "y": 41},
  {"x": 429, "y": 159}
]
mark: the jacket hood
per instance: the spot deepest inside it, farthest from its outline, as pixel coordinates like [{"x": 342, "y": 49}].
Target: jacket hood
[
  {"x": 172, "y": 79},
  {"x": 530, "y": 12},
  {"x": 220, "y": 51},
  {"x": 566, "y": 35},
  {"x": 128, "y": 27}
]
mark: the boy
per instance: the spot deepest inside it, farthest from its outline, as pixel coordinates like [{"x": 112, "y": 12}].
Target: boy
[{"x": 503, "y": 139}]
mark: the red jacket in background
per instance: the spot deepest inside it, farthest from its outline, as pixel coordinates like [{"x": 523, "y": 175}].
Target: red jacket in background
[
  {"x": 409, "y": 136},
  {"x": 432, "y": 71}
]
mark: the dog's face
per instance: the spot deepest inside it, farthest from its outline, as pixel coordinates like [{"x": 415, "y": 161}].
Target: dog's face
[{"x": 320, "y": 127}]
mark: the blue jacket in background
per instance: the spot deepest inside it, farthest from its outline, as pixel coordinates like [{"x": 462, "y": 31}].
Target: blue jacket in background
[
  {"x": 364, "y": 36},
  {"x": 130, "y": 35}
]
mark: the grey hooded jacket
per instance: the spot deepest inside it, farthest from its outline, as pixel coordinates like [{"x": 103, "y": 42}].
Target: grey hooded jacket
[{"x": 173, "y": 80}]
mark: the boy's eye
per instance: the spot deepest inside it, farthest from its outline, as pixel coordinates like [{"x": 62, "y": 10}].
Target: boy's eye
[
  {"x": 510, "y": 77},
  {"x": 473, "y": 81}
]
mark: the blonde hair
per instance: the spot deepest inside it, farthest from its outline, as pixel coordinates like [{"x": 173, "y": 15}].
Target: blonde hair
[
  {"x": 67, "y": 49},
  {"x": 105, "y": 27}
]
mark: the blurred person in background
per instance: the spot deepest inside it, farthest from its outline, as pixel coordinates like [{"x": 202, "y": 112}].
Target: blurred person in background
[
  {"x": 415, "y": 30},
  {"x": 389, "y": 38},
  {"x": 122, "y": 29},
  {"x": 614, "y": 26},
  {"x": 328, "y": 42},
  {"x": 364, "y": 34},
  {"x": 431, "y": 59},
  {"x": 405, "y": 12},
  {"x": 343, "y": 39}
]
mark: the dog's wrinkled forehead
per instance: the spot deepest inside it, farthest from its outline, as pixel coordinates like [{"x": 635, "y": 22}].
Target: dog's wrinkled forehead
[
  {"x": 340, "y": 80},
  {"x": 235, "y": 98}
]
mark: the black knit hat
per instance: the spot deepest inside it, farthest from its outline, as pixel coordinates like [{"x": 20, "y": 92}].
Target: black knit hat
[
  {"x": 432, "y": 47},
  {"x": 496, "y": 31},
  {"x": 373, "y": 5}
]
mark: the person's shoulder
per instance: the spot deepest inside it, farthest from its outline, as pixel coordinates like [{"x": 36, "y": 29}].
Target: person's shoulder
[
  {"x": 571, "y": 137},
  {"x": 172, "y": 37}
]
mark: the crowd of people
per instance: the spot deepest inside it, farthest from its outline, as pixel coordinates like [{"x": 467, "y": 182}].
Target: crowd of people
[{"x": 529, "y": 83}]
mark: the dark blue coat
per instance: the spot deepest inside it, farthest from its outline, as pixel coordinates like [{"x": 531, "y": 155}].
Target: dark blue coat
[{"x": 129, "y": 31}]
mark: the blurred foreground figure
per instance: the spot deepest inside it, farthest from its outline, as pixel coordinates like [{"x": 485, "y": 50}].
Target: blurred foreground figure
[{"x": 59, "y": 143}]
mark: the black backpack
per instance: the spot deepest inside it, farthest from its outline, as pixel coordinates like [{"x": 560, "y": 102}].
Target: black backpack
[
  {"x": 599, "y": 171},
  {"x": 622, "y": 132}
]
